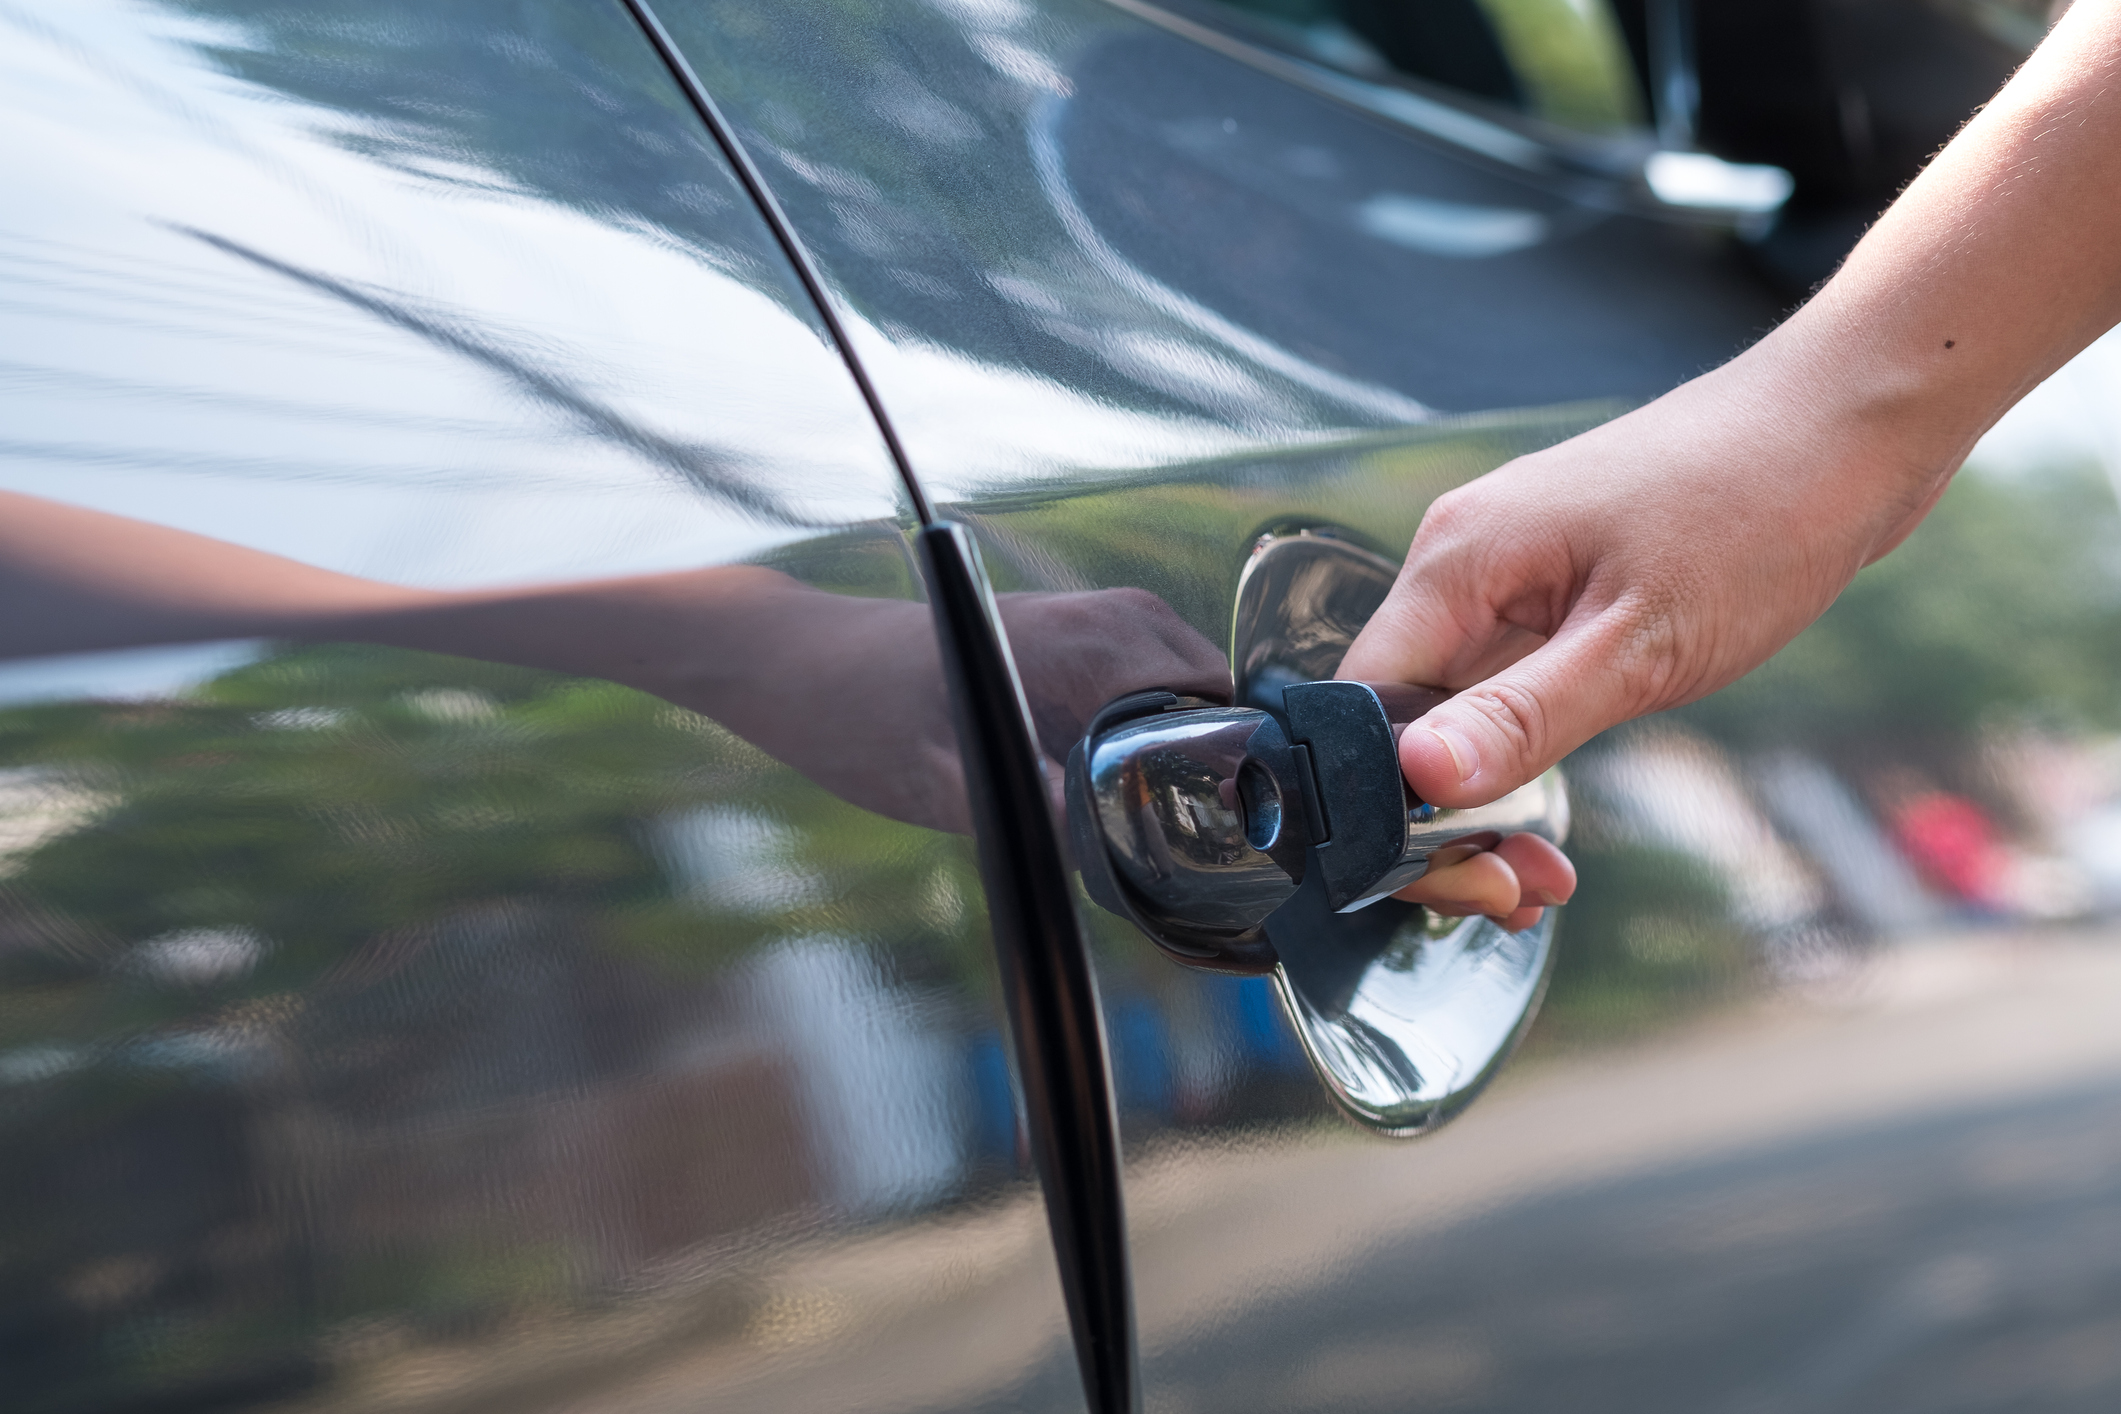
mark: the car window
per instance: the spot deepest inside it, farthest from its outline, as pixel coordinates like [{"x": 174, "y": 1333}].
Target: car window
[{"x": 1559, "y": 60}]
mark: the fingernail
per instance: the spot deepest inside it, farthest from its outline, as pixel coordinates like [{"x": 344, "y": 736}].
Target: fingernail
[
  {"x": 1463, "y": 758},
  {"x": 1546, "y": 896}
]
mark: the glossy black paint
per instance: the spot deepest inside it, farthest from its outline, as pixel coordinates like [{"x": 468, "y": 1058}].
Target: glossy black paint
[
  {"x": 1852, "y": 98},
  {"x": 1057, "y": 1035},
  {"x": 791, "y": 247},
  {"x": 400, "y": 992},
  {"x": 1071, "y": 192}
]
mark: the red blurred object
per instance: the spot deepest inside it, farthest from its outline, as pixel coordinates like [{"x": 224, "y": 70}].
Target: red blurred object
[{"x": 1953, "y": 844}]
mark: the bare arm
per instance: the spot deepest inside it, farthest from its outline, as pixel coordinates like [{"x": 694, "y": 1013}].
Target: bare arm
[{"x": 1657, "y": 558}]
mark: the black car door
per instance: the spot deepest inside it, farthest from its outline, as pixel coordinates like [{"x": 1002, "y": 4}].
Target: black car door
[
  {"x": 487, "y": 912},
  {"x": 1206, "y": 309}
]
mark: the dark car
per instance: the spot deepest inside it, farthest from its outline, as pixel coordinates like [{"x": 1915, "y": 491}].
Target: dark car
[{"x": 668, "y": 739}]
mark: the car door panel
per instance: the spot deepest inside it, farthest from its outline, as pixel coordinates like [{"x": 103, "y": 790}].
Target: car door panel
[
  {"x": 518, "y": 944},
  {"x": 1069, "y": 241},
  {"x": 1134, "y": 306},
  {"x": 567, "y": 984}
]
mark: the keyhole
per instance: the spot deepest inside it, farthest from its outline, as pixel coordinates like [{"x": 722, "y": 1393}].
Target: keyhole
[{"x": 1259, "y": 799}]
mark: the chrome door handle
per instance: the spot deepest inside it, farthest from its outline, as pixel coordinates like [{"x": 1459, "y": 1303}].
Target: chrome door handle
[
  {"x": 1264, "y": 838},
  {"x": 1199, "y": 821}
]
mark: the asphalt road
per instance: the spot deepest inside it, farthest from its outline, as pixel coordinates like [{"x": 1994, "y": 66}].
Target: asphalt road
[
  {"x": 1899, "y": 1193},
  {"x": 1964, "y": 1262},
  {"x": 1904, "y": 1195}
]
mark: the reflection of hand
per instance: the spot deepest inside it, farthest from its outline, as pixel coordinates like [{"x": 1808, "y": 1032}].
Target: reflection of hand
[
  {"x": 847, "y": 690},
  {"x": 1078, "y": 651}
]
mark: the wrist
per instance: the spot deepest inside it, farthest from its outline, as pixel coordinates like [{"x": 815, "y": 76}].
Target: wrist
[{"x": 1875, "y": 428}]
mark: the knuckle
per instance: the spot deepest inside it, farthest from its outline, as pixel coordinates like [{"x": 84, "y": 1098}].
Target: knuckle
[
  {"x": 1648, "y": 646},
  {"x": 1515, "y": 713},
  {"x": 1446, "y": 517}
]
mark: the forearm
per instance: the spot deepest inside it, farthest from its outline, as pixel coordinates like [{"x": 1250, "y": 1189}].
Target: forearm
[{"x": 1996, "y": 266}]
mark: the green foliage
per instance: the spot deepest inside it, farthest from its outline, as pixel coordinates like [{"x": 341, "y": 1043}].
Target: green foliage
[
  {"x": 329, "y": 797},
  {"x": 1647, "y": 935},
  {"x": 451, "y": 872},
  {"x": 2002, "y": 603}
]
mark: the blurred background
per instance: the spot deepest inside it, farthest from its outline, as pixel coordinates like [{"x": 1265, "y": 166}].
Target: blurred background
[{"x": 1936, "y": 755}]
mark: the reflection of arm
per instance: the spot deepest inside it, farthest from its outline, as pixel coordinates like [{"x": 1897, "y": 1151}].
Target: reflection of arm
[
  {"x": 75, "y": 581},
  {"x": 847, "y": 690}
]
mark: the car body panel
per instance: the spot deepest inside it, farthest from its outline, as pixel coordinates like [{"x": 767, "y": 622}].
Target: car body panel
[
  {"x": 1200, "y": 313},
  {"x": 410, "y": 1017},
  {"x": 1069, "y": 241}
]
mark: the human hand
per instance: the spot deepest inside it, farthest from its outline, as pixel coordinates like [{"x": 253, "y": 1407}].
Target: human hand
[
  {"x": 1510, "y": 883},
  {"x": 1638, "y": 566},
  {"x": 1655, "y": 559}
]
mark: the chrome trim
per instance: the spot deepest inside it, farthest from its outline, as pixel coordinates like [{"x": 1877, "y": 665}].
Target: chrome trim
[
  {"x": 1539, "y": 807},
  {"x": 1428, "y": 1023},
  {"x": 1404, "y": 1018},
  {"x": 1614, "y": 173},
  {"x": 1195, "y": 807}
]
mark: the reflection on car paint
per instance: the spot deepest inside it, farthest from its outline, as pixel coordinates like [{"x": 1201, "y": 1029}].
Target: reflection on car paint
[
  {"x": 399, "y": 976},
  {"x": 399, "y": 1009},
  {"x": 1126, "y": 222}
]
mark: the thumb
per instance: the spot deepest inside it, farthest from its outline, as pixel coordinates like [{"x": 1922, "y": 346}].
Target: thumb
[{"x": 1505, "y": 730}]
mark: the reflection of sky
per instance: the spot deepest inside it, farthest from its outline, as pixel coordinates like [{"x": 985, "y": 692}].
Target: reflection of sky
[
  {"x": 2074, "y": 417},
  {"x": 217, "y": 314},
  {"x": 146, "y": 371},
  {"x": 136, "y": 673}
]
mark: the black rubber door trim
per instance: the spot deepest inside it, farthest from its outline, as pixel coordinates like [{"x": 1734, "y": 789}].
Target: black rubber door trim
[
  {"x": 1055, "y": 1026},
  {"x": 1051, "y": 995}
]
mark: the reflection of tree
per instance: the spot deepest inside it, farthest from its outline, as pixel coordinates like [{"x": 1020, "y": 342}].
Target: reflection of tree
[
  {"x": 353, "y": 928},
  {"x": 924, "y": 121},
  {"x": 335, "y": 800}
]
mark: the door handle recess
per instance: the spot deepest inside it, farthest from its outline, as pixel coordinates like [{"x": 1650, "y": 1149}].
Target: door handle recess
[{"x": 1199, "y": 821}]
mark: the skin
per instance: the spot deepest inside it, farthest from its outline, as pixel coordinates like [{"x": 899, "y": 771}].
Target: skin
[{"x": 1663, "y": 555}]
